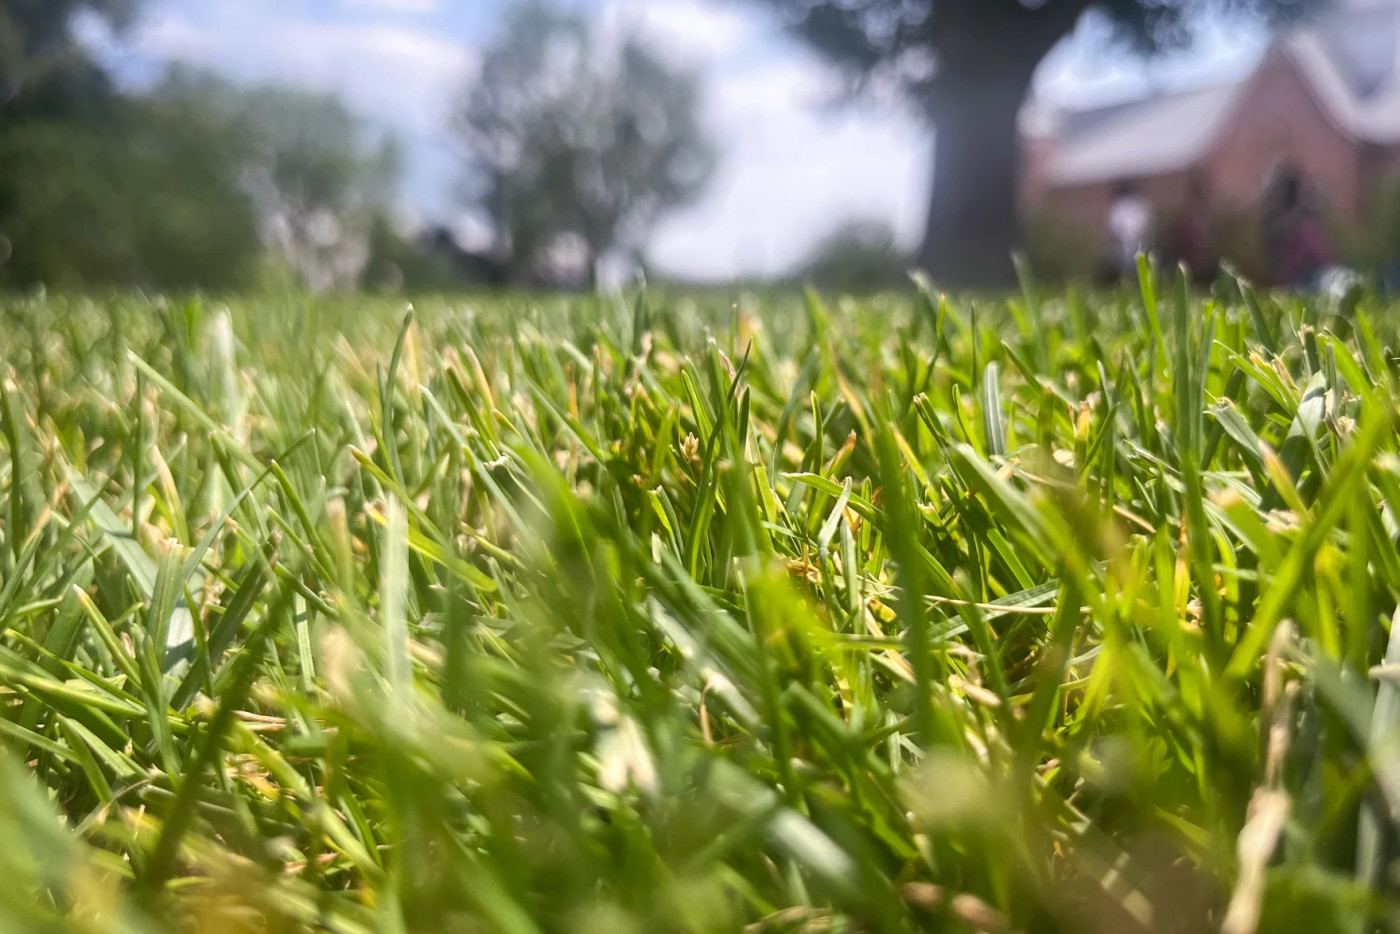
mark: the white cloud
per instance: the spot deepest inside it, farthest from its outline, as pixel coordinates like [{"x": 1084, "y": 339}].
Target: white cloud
[
  {"x": 792, "y": 171},
  {"x": 396, "y": 6},
  {"x": 397, "y": 75}
]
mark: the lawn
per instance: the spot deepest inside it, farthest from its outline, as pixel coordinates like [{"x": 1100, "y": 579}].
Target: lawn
[{"x": 1051, "y": 612}]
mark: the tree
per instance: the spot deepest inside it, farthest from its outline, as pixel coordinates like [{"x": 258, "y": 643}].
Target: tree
[
  {"x": 431, "y": 262},
  {"x": 315, "y": 173},
  {"x": 45, "y": 76},
  {"x": 573, "y": 140},
  {"x": 176, "y": 189},
  {"x": 319, "y": 176},
  {"x": 44, "y": 71},
  {"x": 98, "y": 188},
  {"x": 968, "y": 65}
]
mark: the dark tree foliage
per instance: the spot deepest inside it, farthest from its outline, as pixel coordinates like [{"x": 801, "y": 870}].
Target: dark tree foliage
[
  {"x": 314, "y": 171},
  {"x": 97, "y": 188},
  {"x": 571, "y": 141},
  {"x": 858, "y": 257},
  {"x": 967, "y": 65},
  {"x": 44, "y": 72}
]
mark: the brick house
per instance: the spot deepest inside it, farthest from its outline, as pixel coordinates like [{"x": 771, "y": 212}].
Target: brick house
[{"x": 1323, "y": 100}]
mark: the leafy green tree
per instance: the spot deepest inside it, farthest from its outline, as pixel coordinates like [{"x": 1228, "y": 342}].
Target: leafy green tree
[
  {"x": 967, "y": 65},
  {"x": 44, "y": 71},
  {"x": 570, "y": 140},
  {"x": 175, "y": 188},
  {"x": 148, "y": 197},
  {"x": 315, "y": 172},
  {"x": 318, "y": 176},
  {"x": 99, "y": 188}
]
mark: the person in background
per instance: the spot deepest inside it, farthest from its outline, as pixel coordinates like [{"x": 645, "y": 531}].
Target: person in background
[
  {"x": 1297, "y": 243},
  {"x": 1193, "y": 232},
  {"x": 1129, "y": 229}
]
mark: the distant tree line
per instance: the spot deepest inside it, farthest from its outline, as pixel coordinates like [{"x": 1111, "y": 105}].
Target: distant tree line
[
  {"x": 574, "y": 145},
  {"x": 182, "y": 186},
  {"x": 577, "y": 143}
]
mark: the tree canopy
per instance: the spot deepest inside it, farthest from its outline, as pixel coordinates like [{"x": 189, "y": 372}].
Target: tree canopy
[
  {"x": 148, "y": 197},
  {"x": 967, "y": 65},
  {"x": 174, "y": 188},
  {"x": 101, "y": 188},
  {"x": 574, "y": 139},
  {"x": 43, "y": 69}
]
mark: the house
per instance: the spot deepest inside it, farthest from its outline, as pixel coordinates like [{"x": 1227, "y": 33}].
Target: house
[{"x": 1324, "y": 101}]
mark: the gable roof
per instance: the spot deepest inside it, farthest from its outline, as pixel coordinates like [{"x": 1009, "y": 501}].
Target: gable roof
[
  {"x": 1361, "y": 44},
  {"x": 1350, "y": 59},
  {"x": 1156, "y": 136},
  {"x": 1352, "y": 64}
]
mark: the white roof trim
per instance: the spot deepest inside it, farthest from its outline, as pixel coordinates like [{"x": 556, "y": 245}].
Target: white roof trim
[
  {"x": 1162, "y": 135},
  {"x": 1374, "y": 120},
  {"x": 1157, "y": 137}
]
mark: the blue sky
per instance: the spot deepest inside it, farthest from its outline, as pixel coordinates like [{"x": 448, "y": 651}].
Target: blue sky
[{"x": 791, "y": 168}]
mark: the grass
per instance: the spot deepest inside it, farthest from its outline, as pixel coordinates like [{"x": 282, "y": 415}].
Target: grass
[{"x": 1053, "y": 613}]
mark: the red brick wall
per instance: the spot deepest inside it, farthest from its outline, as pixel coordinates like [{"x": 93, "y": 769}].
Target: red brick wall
[
  {"x": 1278, "y": 120},
  {"x": 1036, "y": 154},
  {"x": 1087, "y": 206}
]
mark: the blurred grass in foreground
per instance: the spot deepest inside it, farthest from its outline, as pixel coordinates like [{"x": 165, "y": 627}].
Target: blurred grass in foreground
[{"x": 1046, "y": 614}]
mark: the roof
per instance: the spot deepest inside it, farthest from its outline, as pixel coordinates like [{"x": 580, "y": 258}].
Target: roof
[
  {"x": 1361, "y": 45},
  {"x": 1153, "y": 137},
  {"x": 1350, "y": 59},
  {"x": 1355, "y": 73}
]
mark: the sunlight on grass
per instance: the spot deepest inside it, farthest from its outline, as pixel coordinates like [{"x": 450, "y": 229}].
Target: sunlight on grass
[{"x": 1054, "y": 613}]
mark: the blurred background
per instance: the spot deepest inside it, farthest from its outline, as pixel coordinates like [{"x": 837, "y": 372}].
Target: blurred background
[{"x": 408, "y": 145}]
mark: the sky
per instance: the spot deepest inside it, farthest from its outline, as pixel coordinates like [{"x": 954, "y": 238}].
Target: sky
[{"x": 793, "y": 166}]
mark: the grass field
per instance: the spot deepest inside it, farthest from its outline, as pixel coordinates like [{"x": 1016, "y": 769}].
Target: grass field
[{"x": 1048, "y": 613}]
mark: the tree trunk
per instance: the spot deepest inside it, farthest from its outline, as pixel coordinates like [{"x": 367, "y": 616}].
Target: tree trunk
[{"x": 973, "y": 225}]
